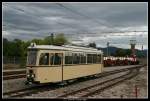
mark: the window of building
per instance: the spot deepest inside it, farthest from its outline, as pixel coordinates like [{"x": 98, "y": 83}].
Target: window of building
[{"x": 44, "y": 59}]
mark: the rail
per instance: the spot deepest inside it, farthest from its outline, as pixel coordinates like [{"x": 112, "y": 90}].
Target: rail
[
  {"x": 15, "y": 74},
  {"x": 47, "y": 87}
]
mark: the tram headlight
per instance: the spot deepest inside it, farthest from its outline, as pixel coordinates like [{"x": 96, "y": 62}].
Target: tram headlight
[
  {"x": 28, "y": 75},
  {"x": 32, "y": 75}
]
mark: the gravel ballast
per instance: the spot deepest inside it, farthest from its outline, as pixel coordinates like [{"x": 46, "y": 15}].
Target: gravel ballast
[
  {"x": 123, "y": 90},
  {"x": 126, "y": 89}
]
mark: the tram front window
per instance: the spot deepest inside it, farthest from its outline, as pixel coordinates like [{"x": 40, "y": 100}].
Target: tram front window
[{"x": 32, "y": 55}]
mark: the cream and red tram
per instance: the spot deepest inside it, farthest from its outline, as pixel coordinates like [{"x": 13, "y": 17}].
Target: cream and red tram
[{"x": 48, "y": 63}]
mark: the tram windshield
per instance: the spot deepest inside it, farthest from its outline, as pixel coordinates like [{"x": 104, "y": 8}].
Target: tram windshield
[{"x": 32, "y": 54}]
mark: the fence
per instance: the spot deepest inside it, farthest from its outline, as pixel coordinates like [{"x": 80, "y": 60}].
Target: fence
[{"x": 14, "y": 62}]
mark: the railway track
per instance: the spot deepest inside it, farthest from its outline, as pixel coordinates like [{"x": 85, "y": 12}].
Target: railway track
[
  {"x": 14, "y": 74},
  {"x": 31, "y": 90},
  {"x": 112, "y": 83},
  {"x": 36, "y": 89},
  {"x": 97, "y": 88}
]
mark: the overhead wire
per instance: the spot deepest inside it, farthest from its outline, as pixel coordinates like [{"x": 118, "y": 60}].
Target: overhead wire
[
  {"x": 67, "y": 24},
  {"x": 74, "y": 11},
  {"x": 71, "y": 26},
  {"x": 97, "y": 21},
  {"x": 89, "y": 18},
  {"x": 83, "y": 15},
  {"x": 92, "y": 19}
]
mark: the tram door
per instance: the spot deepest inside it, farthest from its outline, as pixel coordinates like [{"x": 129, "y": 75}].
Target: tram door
[{"x": 56, "y": 61}]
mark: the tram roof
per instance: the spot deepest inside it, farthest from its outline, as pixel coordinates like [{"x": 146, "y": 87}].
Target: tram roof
[{"x": 65, "y": 47}]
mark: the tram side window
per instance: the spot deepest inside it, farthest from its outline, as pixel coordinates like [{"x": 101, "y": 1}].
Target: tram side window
[
  {"x": 98, "y": 58},
  {"x": 83, "y": 59},
  {"x": 55, "y": 59},
  {"x": 89, "y": 58},
  {"x": 44, "y": 59},
  {"x": 76, "y": 58},
  {"x": 52, "y": 58},
  {"x": 68, "y": 58},
  {"x": 94, "y": 58}
]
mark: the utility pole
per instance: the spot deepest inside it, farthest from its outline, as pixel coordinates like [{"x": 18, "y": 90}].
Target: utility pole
[
  {"x": 52, "y": 38},
  {"x": 107, "y": 48},
  {"x": 142, "y": 51},
  {"x": 133, "y": 43}
]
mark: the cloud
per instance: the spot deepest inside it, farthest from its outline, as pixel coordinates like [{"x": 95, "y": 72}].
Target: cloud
[{"x": 85, "y": 21}]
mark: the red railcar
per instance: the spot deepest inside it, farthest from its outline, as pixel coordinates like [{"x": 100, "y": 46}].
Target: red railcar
[{"x": 120, "y": 61}]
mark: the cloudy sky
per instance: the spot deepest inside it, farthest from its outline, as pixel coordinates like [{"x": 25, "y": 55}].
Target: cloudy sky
[{"x": 81, "y": 23}]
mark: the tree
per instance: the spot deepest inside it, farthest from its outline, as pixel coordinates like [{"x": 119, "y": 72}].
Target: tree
[
  {"x": 5, "y": 47},
  {"x": 92, "y": 45},
  {"x": 128, "y": 52},
  {"x": 112, "y": 54},
  {"x": 120, "y": 52},
  {"x": 37, "y": 41},
  {"x": 18, "y": 47},
  {"x": 26, "y": 45},
  {"x": 60, "y": 39},
  {"x": 47, "y": 40}
]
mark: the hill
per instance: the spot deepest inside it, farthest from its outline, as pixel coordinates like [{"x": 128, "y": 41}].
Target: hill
[{"x": 112, "y": 51}]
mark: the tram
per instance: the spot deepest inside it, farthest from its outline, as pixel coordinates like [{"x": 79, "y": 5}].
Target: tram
[{"x": 51, "y": 64}]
